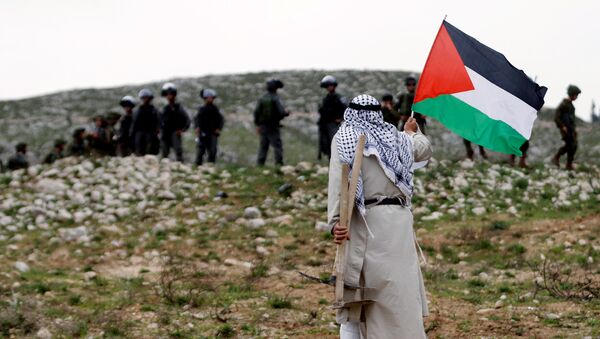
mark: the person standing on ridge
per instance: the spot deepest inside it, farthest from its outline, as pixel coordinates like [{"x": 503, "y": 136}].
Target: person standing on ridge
[
  {"x": 144, "y": 125},
  {"x": 267, "y": 117},
  {"x": 390, "y": 115},
  {"x": 564, "y": 117},
  {"x": 208, "y": 124},
  {"x": 405, "y": 103},
  {"x": 125, "y": 144},
  {"x": 19, "y": 159},
  {"x": 56, "y": 153},
  {"x": 173, "y": 121},
  {"x": 331, "y": 115}
]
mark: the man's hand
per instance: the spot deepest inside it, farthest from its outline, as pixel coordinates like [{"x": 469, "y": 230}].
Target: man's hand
[
  {"x": 411, "y": 126},
  {"x": 178, "y": 132},
  {"x": 340, "y": 233},
  {"x": 258, "y": 130},
  {"x": 217, "y": 132}
]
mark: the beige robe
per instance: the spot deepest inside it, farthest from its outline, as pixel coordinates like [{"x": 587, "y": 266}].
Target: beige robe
[{"x": 386, "y": 264}]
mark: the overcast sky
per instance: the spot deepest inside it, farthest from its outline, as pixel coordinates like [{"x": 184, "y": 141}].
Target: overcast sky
[{"x": 47, "y": 46}]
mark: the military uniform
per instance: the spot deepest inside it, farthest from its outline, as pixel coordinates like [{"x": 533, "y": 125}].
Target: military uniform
[
  {"x": 208, "y": 121},
  {"x": 564, "y": 118},
  {"x": 125, "y": 144},
  {"x": 51, "y": 157},
  {"x": 391, "y": 116},
  {"x": 173, "y": 121},
  {"x": 144, "y": 128},
  {"x": 331, "y": 115},
  {"x": 470, "y": 152},
  {"x": 268, "y": 114},
  {"x": 17, "y": 161}
]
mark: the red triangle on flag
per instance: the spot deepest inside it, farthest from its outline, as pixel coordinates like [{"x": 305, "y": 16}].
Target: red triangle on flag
[{"x": 444, "y": 71}]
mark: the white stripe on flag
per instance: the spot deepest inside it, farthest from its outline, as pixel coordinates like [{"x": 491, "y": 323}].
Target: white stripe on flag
[{"x": 498, "y": 104}]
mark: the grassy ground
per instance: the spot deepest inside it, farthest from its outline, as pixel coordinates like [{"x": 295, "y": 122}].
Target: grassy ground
[{"x": 205, "y": 274}]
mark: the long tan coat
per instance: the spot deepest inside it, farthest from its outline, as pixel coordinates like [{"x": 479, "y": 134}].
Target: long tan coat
[{"x": 387, "y": 263}]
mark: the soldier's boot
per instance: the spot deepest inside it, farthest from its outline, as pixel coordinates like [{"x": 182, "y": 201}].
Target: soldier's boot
[
  {"x": 522, "y": 162},
  {"x": 511, "y": 160},
  {"x": 556, "y": 160},
  {"x": 482, "y": 152},
  {"x": 470, "y": 154},
  {"x": 569, "y": 166}
]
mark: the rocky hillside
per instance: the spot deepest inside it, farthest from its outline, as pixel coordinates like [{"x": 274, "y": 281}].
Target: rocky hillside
[
  {"x": 145, "y": 248},
  {"x": 40, "y": 120}
]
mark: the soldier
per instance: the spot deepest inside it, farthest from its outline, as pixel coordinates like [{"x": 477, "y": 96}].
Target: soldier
[
  {"x": 112, "y": 119},
  {"x": 125, "y": 143},
  {"x": 390, "y": 115},
  {"x": 470, "y": 152},
  {"x": 208, "y": 124},
  {"x": 173, "y": 121},
  {"x": 98, "y": 137},
  {"x": 522, "y": 162},
  {"x": 19, "y": 159},
  {"x": 56, "y": 153},
  {"x": 331, "y": 114},
  {"x": 144, "y": 126},
  {"x": 405, "y": 102},
  {"x": 267, "y": 117},
  {"x": 78, "y": 147},
  {"x": 565, "y": 121}
]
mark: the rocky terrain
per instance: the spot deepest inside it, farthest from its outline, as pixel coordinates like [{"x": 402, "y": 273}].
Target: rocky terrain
[
  {"x": 40, "y": 120},
  {"x": 145, "y": 248}
]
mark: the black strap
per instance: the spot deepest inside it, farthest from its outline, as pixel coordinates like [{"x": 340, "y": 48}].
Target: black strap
[
  {"x": 365, "y": 107},
  {"x": 386, "y": 201}
]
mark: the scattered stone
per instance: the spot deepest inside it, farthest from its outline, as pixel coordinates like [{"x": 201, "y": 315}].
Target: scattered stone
[
  {"x": 485, "y": 310},
  {"x": 22, "y": 266},
  {"x": 252, "y": 213},
  {"x": 43, "y": 333},
  {"x": 478, "y": 210},
  {"x": 255, "y": 223},
  {"x": 499, "y": 304},
  {"x": 552, "y": 316}
]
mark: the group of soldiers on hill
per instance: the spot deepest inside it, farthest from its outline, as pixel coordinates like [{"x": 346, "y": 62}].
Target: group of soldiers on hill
[{"x": 143, "y": 129}]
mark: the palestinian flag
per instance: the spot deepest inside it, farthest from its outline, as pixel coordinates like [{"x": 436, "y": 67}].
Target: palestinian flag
[{"x": 475, "y": 92}]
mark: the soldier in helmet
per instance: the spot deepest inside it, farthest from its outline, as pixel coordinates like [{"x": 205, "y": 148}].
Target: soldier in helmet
[
  {"x": 405, "y": 102},
  {"x": 331, "y": 114},
  {"x": 208, "y": 124},
  {"x": 19, "y": 159},
  {"x": 522, "y": 160},
  {"x": 174, "y": 121},
  {"x": 78, "y": 146},
  {"x": 390, "y": 115},
  {"x": 112, "y": 118},
  {"x": 144, "y": 125},
  {"x": 125, "y": 144},
  {"x": 267, "y": 117},
  {"x": 564, "y": 118},
  {"x": 56, "y": 153}
]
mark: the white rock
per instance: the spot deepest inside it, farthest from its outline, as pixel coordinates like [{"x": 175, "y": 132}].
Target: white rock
[
  {"x": 499, "y": 304},
  {"x": 478, "y": 210},
  {"x": 22, "y": 266},
  {"x": 287, "y": 170},
  {"x": 255, "y": 223},
  {"x": 89, "y": 275},
  {"x": 252, "y": 213},
  {"x": 43, "y": 333},
  {"x": 552, "y": 316},
  {"x": 64, "y": 215},
  {"x": 168, "y": 195},
  {"x": 433, "y": 216},
  {"x": 262, "y": 251}
]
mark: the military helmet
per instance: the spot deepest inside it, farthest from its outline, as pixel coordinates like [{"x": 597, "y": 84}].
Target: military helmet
[
  {"x": 78, "y": 131},
  {"x": 127, "y": 101},
  {"x": 59, "y": 143},
  {"x": 573, "y": 90},
  {"x": 145, "y": 93},
  {"x": 168, "y": 88},
  {"x": 21, "y": 147},
  {"x": 274, "y": 84},
  {"x": 208, "y": 92},
  {"x": 328, "y": 80},
  {"x": 387, "y": 97},
  {"x": 410, "y": 79}
]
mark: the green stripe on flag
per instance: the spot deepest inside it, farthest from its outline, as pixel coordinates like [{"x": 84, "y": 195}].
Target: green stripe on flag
[{"x": 472, "y": 124}]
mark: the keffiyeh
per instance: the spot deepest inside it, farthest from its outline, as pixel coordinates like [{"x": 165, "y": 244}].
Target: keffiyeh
[{"x": 392, "y": 148}]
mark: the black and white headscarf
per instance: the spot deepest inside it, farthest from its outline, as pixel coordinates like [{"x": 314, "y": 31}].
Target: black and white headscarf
[{"x": 392, "y": 148}]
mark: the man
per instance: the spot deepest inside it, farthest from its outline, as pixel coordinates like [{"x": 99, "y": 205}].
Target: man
[
  {"x": 112, "y": 118},
  {"x": 390, "y": 115},
  {"x": 78, "y": 148},
  {"x": 125, "y": 144},
  {"x": 331, "y": 115},
  {"x": 144, "y": 126},
  {"x": 98, "y": 137},
  {"x": 208, "y": 124},
  {"x": 381, "y": 253},
  {"x": 470, "y": 153},
  {"x": 522, "y": 162},
  {"x": 405, "y": 102},
  {"x": 174, "y": 121},
  {"x": 267, "y": 117},
  {"x": 564, "y": 118},
  {"x": 19, "y": 159},
  {"x": 56, "y": 153}
]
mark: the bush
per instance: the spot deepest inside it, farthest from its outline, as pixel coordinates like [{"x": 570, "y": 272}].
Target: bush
[
  {"x": 499, "y": 225},
  {"x": 278, "y": 302},
  {"x": 225, "y": 331}
]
